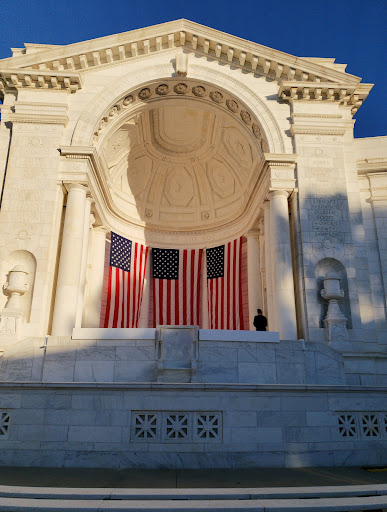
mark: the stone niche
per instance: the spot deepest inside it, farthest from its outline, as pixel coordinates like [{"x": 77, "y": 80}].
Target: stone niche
[
  {"x": 181, "y": 155},
  {"x": 323, "y": 268}
]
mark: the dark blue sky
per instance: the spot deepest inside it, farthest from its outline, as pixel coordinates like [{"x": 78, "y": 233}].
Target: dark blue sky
[{"x": 352, "y": 31}]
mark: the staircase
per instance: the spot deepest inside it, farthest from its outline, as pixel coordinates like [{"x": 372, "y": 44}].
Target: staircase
[{"x": 288, "y": 499}]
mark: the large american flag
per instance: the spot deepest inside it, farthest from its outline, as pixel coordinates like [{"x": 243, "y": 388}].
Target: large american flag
[
  {"x": 176, "y": 286},
  {"x": 126, "y": 282},
  {"x": 224, "y": 286}
]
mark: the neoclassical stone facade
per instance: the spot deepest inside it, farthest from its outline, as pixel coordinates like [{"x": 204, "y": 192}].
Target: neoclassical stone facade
[{"x": 180, "y": 136}]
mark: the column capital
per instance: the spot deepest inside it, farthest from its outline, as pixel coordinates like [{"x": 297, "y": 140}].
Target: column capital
[
  {"x": 78, "y": 187},
  {"x": 252, "y": 233},
  {"x": 266, "y": 204},
  {"x": 101, "y": 230},
  {"x": 274, "y": 193}
]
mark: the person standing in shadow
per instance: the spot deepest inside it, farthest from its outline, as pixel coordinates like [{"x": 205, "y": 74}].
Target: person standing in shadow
[{"x": 260, "y": 321}]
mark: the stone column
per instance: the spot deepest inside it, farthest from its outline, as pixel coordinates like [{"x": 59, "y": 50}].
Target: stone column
[
  {"x": 284, "y": 303},
  {"x": 92, "y": 309},
  {"x": 262, "y": 270},
  {"x": 69, "y": 272},
  {"x": 253, "y": 275},
  {"x": 88, "y": 222},
  {"x": 268, "y": 268}
]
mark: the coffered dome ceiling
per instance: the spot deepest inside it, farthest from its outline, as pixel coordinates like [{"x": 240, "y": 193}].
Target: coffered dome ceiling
[{"x": 183, "y": 158}]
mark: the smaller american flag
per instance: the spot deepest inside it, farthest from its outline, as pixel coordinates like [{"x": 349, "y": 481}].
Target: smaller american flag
[
  {"x": 224, "y": 286},
  {"x": 127, "y": 268},
  {"x": 176, "y": 286}
]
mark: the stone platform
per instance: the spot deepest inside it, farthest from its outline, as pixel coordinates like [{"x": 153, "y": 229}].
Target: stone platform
[
  {"x": 184, "y": 398},
  {"x": 191, "y": 425}
]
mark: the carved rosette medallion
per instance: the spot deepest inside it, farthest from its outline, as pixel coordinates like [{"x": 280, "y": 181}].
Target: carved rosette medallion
[
  {"x": 246, "y": 117},
  {"x": 199, "y": 91},
  {"x": 256, "y": 131},
  {"x": 127, "y": 100},
  {"x": 216, "y": 96},
  {"x": 232, "y": 105},
  {"x": 162, "y": 89},
  {"x": 145, "y": 93},
  {"x": 113, "y": 111},
  {"x": 181, "y": 88}
]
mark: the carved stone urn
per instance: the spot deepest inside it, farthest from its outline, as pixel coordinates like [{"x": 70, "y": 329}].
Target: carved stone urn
[
  {"x": 15, "y": 287},
  {"x": 335, "y": 322}
]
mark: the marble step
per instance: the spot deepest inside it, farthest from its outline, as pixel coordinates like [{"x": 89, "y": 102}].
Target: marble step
[
  {"x": 65, "y": 493},
  {"x": 346, "y": 504}
]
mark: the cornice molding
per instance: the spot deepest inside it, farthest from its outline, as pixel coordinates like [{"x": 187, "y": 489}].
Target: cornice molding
[
  {"x": 371, "y": 166},
  {"x": 38, "y": 79},
  {"x": 183, "y": 35},
  {"x": 280, "y": 159},
  {"x": 342, "y": 93},
  {"x": 317, "y": 130},
  {"x": 37, "y": 119}
]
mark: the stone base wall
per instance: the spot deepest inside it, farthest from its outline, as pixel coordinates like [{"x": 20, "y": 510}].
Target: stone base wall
[
  {"x": 191, "y": 425},
  {"x": 62, "y": 359}
]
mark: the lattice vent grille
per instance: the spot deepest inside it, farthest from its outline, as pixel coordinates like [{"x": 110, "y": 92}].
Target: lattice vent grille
[{"x": 176, "y": 426}]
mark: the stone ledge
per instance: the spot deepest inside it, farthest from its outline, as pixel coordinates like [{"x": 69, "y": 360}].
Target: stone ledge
[
  {"x": 249, "y": 336},
  {"x": 82, "y": 333},
  {"x": 64, "y": 493},
  {"x": 160, "y": 386}
]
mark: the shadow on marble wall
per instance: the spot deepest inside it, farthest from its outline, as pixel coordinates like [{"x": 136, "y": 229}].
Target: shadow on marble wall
[{"x": 68, "y": 360}]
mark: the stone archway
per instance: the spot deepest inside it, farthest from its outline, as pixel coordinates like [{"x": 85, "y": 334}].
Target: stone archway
[
  {"x": 180, "y": 155},
  {"x": 106, "y": 99}
]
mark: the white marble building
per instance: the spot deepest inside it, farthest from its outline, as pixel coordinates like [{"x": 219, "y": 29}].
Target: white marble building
[{"x": 181, "y": 136}]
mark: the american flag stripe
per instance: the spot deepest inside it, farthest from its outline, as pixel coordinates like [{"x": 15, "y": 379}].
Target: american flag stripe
[
  {"x": 125, "y": 289},
  {"x": 177, "y": 301},
  {"x": 224, "y": 286}
]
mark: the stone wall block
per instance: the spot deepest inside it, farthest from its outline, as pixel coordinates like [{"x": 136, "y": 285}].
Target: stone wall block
[
  {"x": 256, "y": 435},
  {"x": 94, "y": 434},
  {"x": 257, "y": 373},
  {"x": 135, "y": 371},
  {"x": 137, "y": 353},
  {"x": 94, "y": 371},
  {"x": 299, "y": 403},
  {"x": 217, "y": 372},
  {"x": 41, "y": 432},
  {"x": 240, "y": 419},
  {"x": 98, "y": 401},
  {"x": 290, "y": 373},
  {"x": 306, "y": 434},
  {"x": 58, "y": 371},
  {"x": 96, "y": 354}
]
